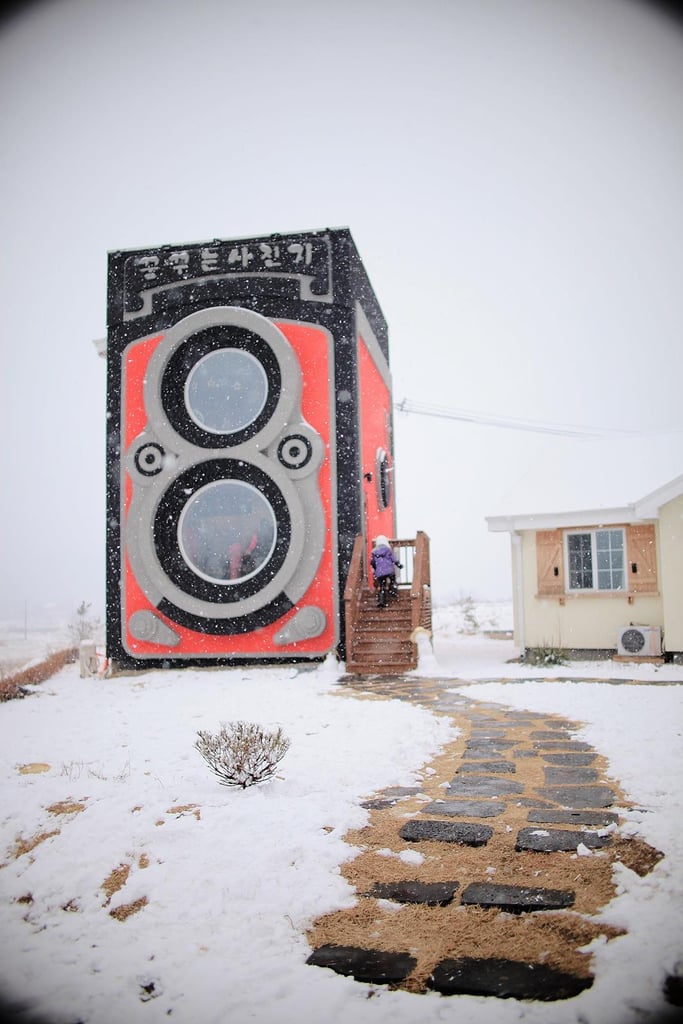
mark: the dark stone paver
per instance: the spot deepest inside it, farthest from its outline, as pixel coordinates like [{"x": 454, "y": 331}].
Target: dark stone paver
[
  {"x": 578, "y": 796},
  {"x": 464, "y": 833},
  {"x": 483, "y": 785},
  {"x": 555, "y": 840},
  {"x": 550, "y": 734},
  {"x": 373, "y": 966},
  {"x": 578, "y": 760},
  {"x": 525, "y": 801},
  {"x": 552, "y": 816},
  {"x": 516, "y": 899},
  {"x": 506, "y": 979},
  {"x": 493, "y": 742},
  {"x": 495, "y": 767},
  {"x": 483, "y": 753},
  {"x": 563, "y": 775},
  {"x": 433, "y": 894},
  {"x": 379, "y": 804},
  {"x": 465, "y": 808},
  {"x": 400, "y": 791},
  {"x": 569, "y": 745}
]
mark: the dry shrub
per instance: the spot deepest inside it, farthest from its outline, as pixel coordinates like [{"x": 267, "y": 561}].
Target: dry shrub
[
  {"x": 242, "y": 753},
  {"x": 12, "y": 687}
]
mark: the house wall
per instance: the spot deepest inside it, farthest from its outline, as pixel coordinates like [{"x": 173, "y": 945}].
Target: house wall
[
  {"x": 580, "y": 620},
  {"x": 671, "y": 571}
]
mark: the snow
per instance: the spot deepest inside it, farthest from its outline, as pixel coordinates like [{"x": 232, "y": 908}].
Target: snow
[{"x": 233, "y": 878}]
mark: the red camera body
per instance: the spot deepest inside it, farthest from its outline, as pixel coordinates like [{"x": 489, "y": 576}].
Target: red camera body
[{"x": 249, "y": 442}]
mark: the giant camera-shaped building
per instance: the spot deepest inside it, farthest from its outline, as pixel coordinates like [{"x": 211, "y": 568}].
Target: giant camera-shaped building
[{"x": 249, "y": 441}]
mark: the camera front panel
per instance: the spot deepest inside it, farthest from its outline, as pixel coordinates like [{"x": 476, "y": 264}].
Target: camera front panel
[{"x": 228, "y": 522}]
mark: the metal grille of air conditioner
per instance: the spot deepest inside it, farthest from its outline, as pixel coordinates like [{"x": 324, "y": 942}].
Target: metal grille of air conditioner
[{"x": 639, "y": 641}]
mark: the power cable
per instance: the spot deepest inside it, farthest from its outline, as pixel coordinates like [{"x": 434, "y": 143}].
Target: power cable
[{"x": 511, "y": 423}]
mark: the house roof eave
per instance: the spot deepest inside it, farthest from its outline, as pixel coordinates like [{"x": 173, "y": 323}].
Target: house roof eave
[
  {"x": 646, "y": 508},
  {"x": 649, "y": 506},
  {"x": 555, "y": 520}
]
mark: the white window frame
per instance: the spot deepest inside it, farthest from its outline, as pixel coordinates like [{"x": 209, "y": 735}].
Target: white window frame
[{"x": 593, "y": 532}]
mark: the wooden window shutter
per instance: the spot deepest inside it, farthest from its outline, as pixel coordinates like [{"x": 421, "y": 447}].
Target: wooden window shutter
[
  {"x": 549, "y": 562},
  {"x": 641, "y": 552}
]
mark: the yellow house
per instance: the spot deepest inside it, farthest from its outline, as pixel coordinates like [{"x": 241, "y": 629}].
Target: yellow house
[{"x": 605, "y": 581}]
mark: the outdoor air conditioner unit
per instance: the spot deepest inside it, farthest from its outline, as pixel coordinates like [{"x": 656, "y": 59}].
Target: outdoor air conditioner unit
[{"x": 640, "y": 641}]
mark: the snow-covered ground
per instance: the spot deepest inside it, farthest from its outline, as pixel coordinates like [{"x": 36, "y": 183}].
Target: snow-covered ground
[{"x": 104, "y": 774}]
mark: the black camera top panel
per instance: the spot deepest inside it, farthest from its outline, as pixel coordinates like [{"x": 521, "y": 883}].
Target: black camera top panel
[{"x": 315, "y": 266}]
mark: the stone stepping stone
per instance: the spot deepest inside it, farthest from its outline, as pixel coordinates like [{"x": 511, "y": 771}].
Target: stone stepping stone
[
  {"x": 483, "y": 753},
  {"x": 465, "y": 808},
  {"x": 483, "y": 785},
  {"x": 578, "y": 760},
  {"x": 379, "y": 804},
  {"x": 555, "y": 817},
  {"x": 556, "y": 840},
  {"x": 550, "y": 734},
  {"x": 494, "y": 742},
  {"x": 433, "y": 894},
  {"x": 566, "y": 745},
  {"x": 488, "y": 739},
  {"x": 559, "y": 776},
  {"x": 488, "y": 766},
  {"x": 373, "y": 966},
  {"x": 578, "y": 796},
  {"x": 516, "y": 899},
  {"x": 464, "y": 833},
  {"x": 525, "y": 753},
  {"x": 505, "y": 979},
  {"x": 400, "y": 791}
]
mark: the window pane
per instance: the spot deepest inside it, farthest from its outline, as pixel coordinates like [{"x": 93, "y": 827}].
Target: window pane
[
  {"x": 580, "y": 561},
  {"x": 610, "y": 551}
]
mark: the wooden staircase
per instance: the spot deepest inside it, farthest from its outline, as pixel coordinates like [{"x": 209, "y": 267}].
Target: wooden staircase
[{"x": 381, "y": 641}]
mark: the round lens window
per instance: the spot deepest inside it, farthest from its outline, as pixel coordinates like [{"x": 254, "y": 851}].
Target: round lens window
[
  {"x": 227, "y": 531},
  {"x": 226, "y": 390}
]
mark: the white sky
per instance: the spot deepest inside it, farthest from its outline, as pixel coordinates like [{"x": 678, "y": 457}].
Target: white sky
[{"x": 511, "y": 174}]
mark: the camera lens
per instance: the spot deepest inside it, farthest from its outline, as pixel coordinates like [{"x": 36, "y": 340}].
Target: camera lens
[
  {"x": 226, "y": 390},
  {"x": 220, "y": 387},
  {"x": 227, "y": 531}
]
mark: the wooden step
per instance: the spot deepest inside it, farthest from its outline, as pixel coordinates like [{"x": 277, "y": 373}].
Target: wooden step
[
  {"x": 381, "y": 641},
  {"x": 371, "y": 650}
]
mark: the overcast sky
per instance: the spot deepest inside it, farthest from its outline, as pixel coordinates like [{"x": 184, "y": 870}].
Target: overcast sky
[{"x": 511, "y": 171}]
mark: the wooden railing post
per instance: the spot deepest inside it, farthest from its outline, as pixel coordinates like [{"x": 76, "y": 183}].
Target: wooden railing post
[
  {"x": 352, "y": 592},
  {"x": 420, "y": 590}
]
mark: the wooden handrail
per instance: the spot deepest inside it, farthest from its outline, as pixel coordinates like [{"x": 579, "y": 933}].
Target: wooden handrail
[{"x": 353, "y": 590}]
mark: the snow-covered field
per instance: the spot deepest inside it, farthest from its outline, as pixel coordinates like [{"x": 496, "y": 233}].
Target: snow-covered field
[{"x": 102, "y": 787}]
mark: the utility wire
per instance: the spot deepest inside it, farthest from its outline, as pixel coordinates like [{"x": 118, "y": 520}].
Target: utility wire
[{"x": 510, "y": 423}]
